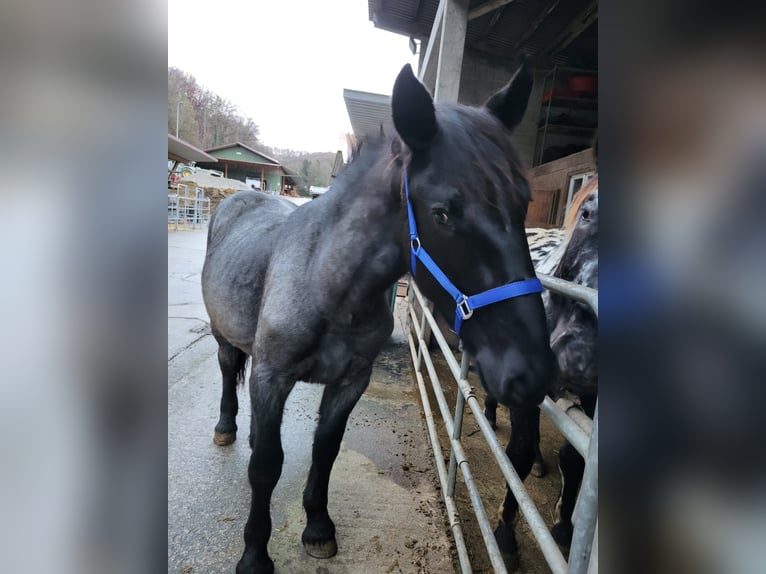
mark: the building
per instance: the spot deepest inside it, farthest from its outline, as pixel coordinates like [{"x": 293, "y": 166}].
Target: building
[
  {"x": 256, "y": 169},
  {"x": 485, "y": 38}
]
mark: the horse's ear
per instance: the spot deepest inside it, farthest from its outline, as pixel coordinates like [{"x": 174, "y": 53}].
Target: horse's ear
[
  {"x": 413, "y": 111},
  {"x": 510, "y": 103}
]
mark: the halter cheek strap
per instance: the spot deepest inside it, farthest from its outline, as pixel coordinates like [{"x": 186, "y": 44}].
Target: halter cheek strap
[{"x": 465, "y": 305}]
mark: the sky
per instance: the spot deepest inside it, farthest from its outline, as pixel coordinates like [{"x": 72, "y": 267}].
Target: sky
[{"x": 285, "y": 63}]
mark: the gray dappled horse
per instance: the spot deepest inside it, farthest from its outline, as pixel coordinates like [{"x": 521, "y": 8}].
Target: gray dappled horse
[{"x": 302, "y": 290}]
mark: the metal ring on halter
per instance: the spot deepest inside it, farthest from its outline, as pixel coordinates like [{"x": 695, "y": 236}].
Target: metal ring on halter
[
  {"x": 465, "y": 308},
  {"x": 415, "y": 242}
]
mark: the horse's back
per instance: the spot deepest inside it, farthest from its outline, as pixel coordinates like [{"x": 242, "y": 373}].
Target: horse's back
[
  {"x": 252, "y": 211},
  {"x": 241, "y": 238}
]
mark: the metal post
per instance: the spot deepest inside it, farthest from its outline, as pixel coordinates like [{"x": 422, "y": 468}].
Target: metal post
[
  {"x": 451, "y": 47},
  {"x": 457, "y": 428},
  {"x": 586, "y": 509},
  {"x": 178, "y": 115},
  {"x": 419, "y": 360}
]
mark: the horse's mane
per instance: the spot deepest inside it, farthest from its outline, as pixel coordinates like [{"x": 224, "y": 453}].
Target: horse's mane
[
  {"x": 577, "y": 201},
  {"x": 479, "y": 137}
]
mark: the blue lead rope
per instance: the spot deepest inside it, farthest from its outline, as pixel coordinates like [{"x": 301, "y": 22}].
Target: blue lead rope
[{"x": 465, "y": 306}]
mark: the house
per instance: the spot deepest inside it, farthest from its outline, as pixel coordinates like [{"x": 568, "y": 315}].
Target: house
[{"x": 256, "y": 169}]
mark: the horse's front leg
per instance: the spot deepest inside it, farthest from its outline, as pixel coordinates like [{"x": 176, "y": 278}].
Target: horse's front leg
[
  {"x": 490, "y": 410},
  {"x": 337, "y": 403},
  {"x": 268, "y": 394},
  {"x": 572, "y": 467},
  {"x": 525, "y": 436}
]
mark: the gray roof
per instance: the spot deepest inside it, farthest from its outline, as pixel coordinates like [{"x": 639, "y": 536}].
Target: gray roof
[
  {"x": 368, "y": 112},
  {"x": 179, "y": 150}
]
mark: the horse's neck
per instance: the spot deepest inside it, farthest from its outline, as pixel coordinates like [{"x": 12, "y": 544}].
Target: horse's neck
[{"x": 362, "y": 246}]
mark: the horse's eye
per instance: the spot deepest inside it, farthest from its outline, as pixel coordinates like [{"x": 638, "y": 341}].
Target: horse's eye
[
  {"x": 440, "y": 216},
  {"x": 585, "y": 215}
]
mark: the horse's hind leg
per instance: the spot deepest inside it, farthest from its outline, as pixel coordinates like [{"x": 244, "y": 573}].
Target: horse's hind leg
[
  {"x": 572, "y": 467},
  {"x": 232, "y": 362},
  {"x": 525, "y": 424},
  {"x": 337, "y": 403},
  {"x": 268, "y": 394}
]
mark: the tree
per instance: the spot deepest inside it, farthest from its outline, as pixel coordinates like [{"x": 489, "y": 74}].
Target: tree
[{"x": 206, "y": 119}]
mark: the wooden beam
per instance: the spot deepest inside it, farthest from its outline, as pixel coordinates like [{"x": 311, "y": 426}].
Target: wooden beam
[
  {"x": 576, "y": 27},
  {"x": 486, "y": 8},
  {"x": 535, "y": 24}
]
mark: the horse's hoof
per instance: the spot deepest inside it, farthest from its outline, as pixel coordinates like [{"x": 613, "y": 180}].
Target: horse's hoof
[
  {"x": 538, "y": 470},
  {"x": 224, "y": 438},
  {"x": 324, "y": 550},
  {"x": 249, "y": 565}
]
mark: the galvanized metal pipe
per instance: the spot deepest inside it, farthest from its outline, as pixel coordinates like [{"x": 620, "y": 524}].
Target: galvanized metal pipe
[
  {"x": 449, "y": 502},
  {"x": 458, "y": 424},
  {"x": 548, "y": 546},
  {"x": 580, "y": 293},
  {"x": 571, "y": 430},
  {"x": 586, "y": 509},
  {"x": 459, "y": 456},
  {"x": 593, "y": 562},
  {"x": 575, "y": 412}
]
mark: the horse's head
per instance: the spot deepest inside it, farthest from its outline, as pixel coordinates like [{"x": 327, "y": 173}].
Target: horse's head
[
  {"x": 574, "y": 327},
  {"x": 470, "y": 199}
]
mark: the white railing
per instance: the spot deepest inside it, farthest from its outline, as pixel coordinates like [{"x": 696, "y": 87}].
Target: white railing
[{"x": 188, "y": 208}]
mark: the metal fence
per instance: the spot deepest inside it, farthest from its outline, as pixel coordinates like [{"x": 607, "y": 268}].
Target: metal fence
[
  {"x": 576, "y": 427},
  {"x": 188, "y": 208}
]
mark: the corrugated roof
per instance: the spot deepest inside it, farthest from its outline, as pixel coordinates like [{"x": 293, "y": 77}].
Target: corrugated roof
[
  {"x": 532, "y": 26},
  {"x": 368, "y": 112}
]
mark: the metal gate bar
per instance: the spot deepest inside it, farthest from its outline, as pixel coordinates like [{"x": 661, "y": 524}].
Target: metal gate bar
[
  {"x": 585, "y": 512},
  {"x": 584, "y": 519},
  {"x": 459, "y": 458}
]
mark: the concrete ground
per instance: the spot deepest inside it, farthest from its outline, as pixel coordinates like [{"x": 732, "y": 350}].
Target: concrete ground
[{"x": 383, "y": 494}]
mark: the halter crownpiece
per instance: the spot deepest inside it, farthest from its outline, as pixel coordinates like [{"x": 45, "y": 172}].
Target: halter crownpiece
[{"x": 465, "y": 305}]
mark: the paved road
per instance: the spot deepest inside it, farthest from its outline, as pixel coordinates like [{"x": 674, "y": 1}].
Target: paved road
[{"x": 383, "y": 497}]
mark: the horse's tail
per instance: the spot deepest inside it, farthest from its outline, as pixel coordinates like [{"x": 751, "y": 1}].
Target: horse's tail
[{"x": 241, "y": 371}]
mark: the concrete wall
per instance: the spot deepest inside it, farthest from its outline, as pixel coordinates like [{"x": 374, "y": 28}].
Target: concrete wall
[{"x": 482, "y": 76}]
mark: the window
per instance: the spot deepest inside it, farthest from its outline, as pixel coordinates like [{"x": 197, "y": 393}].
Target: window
[{"x": 575, "y": 184}]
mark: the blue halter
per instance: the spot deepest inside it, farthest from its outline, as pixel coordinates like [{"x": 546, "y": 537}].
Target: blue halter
[{"x": 465, "y": 306}]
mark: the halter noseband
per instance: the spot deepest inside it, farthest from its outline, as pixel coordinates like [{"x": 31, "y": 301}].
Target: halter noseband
[{"x": 465, "y": 305}]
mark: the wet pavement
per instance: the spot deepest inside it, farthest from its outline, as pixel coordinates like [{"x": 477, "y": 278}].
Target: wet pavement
[{"x": 383, "y": 492}]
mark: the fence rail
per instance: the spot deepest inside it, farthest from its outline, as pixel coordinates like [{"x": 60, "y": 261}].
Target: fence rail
[
  {"x": 578, "y": 430},
  {"x": 188, "y": 208}
]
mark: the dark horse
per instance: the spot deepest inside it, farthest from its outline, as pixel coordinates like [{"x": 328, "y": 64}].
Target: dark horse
[
  {"x": 302, "y": 290},
  {"x": 574, "y": 341}
]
